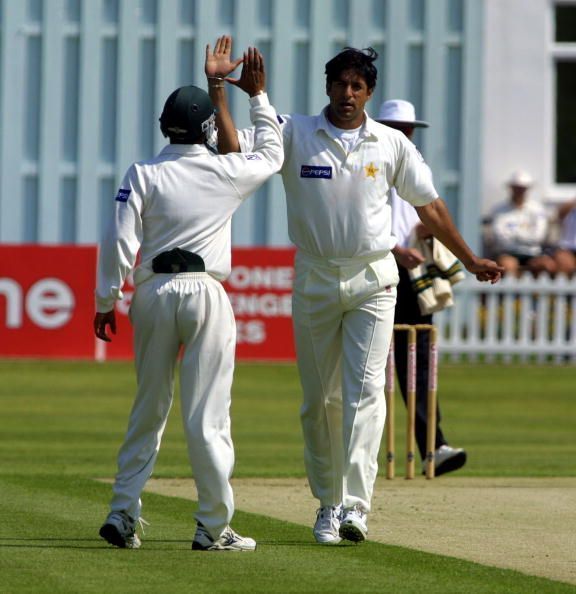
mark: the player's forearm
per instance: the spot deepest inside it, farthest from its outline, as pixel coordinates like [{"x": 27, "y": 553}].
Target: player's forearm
[
  {"x": 227, "y": 135},
  {"x": 438, "y": 220},
  {"x": 116, "y": 259},
  {"x": 267, "y": 133}
]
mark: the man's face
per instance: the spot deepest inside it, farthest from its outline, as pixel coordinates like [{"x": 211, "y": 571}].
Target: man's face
[
  {"x": 348, "y": 96},
  {"x": 518, "y": 194}
]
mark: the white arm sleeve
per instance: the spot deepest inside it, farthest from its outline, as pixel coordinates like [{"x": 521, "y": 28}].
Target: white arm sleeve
[
  {"x": 262, "y": 149},
  {"x": 246, "y": 135},
  {"x": 121, "y": 242},
  {"x": 413, "y": 178}
]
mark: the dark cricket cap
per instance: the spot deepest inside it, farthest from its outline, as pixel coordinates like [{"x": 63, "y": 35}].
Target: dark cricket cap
[{"x": 184, "y": 113}]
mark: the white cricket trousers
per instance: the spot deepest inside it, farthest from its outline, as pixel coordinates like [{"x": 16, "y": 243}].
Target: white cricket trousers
[
  {"x": 343, "y": 315},
  {"x": 168, "y": 311}
]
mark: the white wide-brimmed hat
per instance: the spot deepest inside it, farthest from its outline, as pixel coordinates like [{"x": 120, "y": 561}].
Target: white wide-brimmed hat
[
  {"x": 521, "y": 179},
  {"x": 399, "y": 111}
]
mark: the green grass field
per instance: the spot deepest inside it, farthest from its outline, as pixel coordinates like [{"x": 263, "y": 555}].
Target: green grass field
[{"x": 62, "y": 424}]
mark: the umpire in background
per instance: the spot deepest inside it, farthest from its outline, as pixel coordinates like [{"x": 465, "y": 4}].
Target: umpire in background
[
  {"x": 401, "y": 115},
  {"x": 175, "y": 211}
]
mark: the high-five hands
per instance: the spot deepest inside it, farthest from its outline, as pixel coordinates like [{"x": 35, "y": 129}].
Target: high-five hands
[
  {"x": 253, "y": 77},
  {"x": 219, "y": 63}
]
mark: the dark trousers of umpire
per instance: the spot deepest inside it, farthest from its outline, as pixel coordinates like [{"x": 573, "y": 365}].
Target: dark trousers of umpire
[{"x": 408, "y": 312}]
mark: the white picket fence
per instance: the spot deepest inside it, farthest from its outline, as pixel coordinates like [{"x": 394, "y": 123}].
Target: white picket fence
[{"x": 522, "y": 319}]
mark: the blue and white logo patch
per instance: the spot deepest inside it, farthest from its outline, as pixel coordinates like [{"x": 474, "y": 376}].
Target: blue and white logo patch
[
  {"x": 316, "y": 172},
  {"x": 122, "y": 195},
  {"x": 253, "y": 157}
]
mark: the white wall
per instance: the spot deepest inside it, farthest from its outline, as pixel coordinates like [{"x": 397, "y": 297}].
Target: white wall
[
  {"x": 516, "y": 96},
  {"x": 82, "y": 83}
]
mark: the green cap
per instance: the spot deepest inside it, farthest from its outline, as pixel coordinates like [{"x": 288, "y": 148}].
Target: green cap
[{"x": 187, "y": 114}]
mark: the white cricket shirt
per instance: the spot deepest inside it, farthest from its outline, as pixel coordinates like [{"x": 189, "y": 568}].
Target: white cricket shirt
[
  {"x": 337, "y": 200},
  {"x": 185, "y": 198}
]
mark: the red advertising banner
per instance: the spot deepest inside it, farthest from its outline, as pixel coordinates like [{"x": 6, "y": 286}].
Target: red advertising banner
[
  {"x": 47, "y": 304},
  {"x": 46, "y": 301},
  {"x": 260, "y": 290}
]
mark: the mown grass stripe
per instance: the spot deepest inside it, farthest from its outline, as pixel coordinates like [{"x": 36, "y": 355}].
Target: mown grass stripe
[{"x": 49, "y": 543}]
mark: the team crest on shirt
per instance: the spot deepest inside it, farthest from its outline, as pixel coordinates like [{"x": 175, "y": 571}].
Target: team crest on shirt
[
  {"x": 122, "y": 195},
  {"x": 371, "y": 170}
]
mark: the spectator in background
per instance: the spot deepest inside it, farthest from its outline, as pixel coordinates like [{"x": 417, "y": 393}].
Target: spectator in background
[
  {"x": 565, "y": 255},
  {"x": 519, "y": 231}
]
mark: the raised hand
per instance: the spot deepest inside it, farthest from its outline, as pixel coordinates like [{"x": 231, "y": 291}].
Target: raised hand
[
  {"x": 219, "y": 63},
  {"x": 253, "y": 77}
]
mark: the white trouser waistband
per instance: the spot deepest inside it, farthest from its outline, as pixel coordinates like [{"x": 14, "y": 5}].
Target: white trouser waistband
[
  {"x": 342, "y": 262},
  {"x": 201, "y": 276}
]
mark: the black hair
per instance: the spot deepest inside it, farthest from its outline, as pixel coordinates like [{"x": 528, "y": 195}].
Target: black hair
[{"x": 361, "y": 61}]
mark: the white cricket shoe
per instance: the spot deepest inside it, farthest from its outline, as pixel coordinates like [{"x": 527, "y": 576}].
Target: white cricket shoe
[
  {"x": 119, "y": 530},
  {"x": 353, "y": 525},
  {"x": 327, "y": 524},
  {"x": 227, "y": 541},
  {"x": 447, "y": 459}
]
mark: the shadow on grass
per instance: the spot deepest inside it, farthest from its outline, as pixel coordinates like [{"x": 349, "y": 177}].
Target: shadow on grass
[{"x": 153, "y": 544}]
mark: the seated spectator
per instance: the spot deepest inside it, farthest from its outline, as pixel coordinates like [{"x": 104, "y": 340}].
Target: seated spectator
[
  {"x": 565, "y": 255},
  {"x": 519, "y": 231}
]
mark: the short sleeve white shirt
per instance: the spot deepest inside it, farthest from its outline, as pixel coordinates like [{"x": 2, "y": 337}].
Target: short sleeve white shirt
[{"x": 337, "y": 200}]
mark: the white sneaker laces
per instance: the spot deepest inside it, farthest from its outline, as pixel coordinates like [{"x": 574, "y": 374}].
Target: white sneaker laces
[
  {"x": 327, "y": 514},
  {"x": 143, "y": 523}
]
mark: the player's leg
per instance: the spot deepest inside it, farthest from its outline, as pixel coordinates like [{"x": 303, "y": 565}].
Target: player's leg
[
  {"x": 368, "y": 291},
  {"x": 317, "y": 331},
  {"x": 367, "y": 332},
  {"x": 317, "y": 319},
  {"x": 155, "y": 351},
  {"x": 208, "y": 333}
]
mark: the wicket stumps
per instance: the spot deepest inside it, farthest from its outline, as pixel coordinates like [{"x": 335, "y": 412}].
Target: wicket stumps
[{"x": 412, "y": 331}]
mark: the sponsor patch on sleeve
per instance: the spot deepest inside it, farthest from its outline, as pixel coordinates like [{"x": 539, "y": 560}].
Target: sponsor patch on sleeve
[
  {"x": 253, "y": 157},
  {"x": 316, "y": 171},
  {"x": 122, "y": 195}
]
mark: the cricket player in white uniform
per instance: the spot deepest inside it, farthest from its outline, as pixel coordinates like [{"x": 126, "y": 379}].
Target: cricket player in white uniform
[
  {"x": 175, "y": 210},
  {"x": 338, "y": 169}
]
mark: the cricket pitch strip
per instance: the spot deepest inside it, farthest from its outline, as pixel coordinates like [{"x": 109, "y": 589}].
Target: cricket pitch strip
[{"x": 525, "y": 524}]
